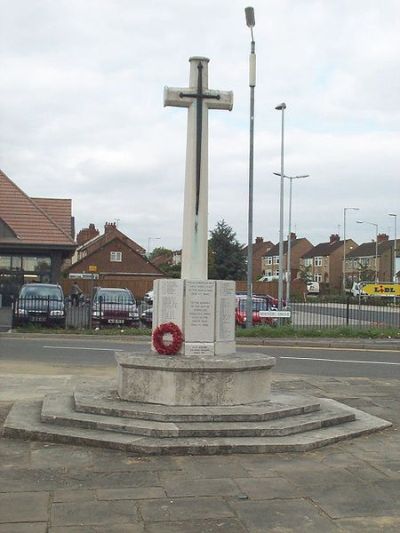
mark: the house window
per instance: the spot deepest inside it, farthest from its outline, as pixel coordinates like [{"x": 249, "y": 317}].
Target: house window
[
  {"x": 269, "y": 260},
  {"x": 318, "y": 277},
  {"x": 308, "y": 262},
  {"x": 317, "y": 262},
  {"x": 115, "y": 257},
  {"x": 364, "y": 261},
  {"x": 276, "y": 259}
]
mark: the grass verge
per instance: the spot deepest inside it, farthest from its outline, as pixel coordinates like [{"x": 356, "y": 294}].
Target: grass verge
[{"x": 259, "y": 331}]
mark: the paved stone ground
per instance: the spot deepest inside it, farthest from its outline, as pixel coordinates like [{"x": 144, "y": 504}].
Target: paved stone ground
[{"x": 351, "y": 486}]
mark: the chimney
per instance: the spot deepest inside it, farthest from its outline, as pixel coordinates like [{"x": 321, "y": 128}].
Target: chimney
[
  {"x": 334, "y": 238},
  {"x": 109, "y": 226},
  {"x": 382, "y": 237},
  {"x": 259, "y": 239},
  {"x": 293, "y": 236},
  {"x": 86, "y": 234}
]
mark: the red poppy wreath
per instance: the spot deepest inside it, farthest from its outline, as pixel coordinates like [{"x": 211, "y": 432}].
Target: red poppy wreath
[{"x": 167, "y": 348}]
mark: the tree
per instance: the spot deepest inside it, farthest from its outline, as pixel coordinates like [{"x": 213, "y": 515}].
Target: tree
[
  {"x": 305, "y": 274},
  {"x": 365, "y": 273},
  {"x": 227, "y": 259},
  {"x": 160, "y": 251}
]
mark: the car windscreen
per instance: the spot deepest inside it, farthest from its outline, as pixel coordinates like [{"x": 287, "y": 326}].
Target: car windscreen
[
  {"x": 258, "y": 304},
  {"x": 114, "y": 297},
  {"x": 36, "y": 291}
]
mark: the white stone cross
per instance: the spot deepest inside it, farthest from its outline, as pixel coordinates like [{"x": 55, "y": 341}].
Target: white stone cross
[{"x": 198, "y": 99}]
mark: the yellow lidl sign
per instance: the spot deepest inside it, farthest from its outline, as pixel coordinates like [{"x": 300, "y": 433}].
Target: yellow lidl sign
[{"x": 381, "y": 289}]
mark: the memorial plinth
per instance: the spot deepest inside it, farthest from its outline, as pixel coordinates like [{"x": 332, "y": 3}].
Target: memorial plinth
[
  {"x": 194, "y": 381},
  {"x": 203, "y": 310}
]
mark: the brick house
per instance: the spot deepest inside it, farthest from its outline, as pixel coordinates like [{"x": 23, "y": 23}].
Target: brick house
[
  {"x": 361, "y": 262},
  {"x": 298, "y": 247},
  {"x": 325, "y": 261},
  {"x": 260, "y": 248},
  {"x": 36, "y": 238},
  {"x": 113, "y": 259}
]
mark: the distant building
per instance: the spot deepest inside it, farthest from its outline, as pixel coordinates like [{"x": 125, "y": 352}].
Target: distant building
[
  {"x": 324, "y": 261},
  {"x": 112, "y": 259},
  {"x": 36, "y": 238},
  {"x": 260, "y": 248},
  {"x": 362, "y": 261},
  {"x": 270, "y": 261}
]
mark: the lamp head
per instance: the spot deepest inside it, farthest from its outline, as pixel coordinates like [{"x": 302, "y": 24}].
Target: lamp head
[
  {"x": 392, "y": 214},
  {"x": 281, "y": 106},
  {"x": 250, "y": 20}
]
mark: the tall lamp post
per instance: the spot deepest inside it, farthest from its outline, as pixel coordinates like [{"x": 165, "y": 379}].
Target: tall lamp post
[
  {"x": 149, "y": 239},
  {"x": 289, "y": 271},
  {"x": 376, "y": 245},
  {"x": 394, "y": 246},
  {"x": 281, "y": 107},
  {"x": 345, "y": 209},
  {"x": 250, "y": 21}
]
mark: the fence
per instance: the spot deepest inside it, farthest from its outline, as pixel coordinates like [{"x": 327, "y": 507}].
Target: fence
[
  {"x": 82, "y": 313},
  {"x": 350, "y": 313},
  {"x": 85, "y": 314}
]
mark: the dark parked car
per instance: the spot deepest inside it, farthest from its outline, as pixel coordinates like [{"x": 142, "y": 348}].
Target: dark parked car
[
  {"x": 147, "y": 317},
  {"x": 39, "y": 303},
  {"x": 114, "y": 307}
]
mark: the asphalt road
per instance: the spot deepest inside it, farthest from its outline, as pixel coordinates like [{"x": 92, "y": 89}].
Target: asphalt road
[{"x": 89, "y": 355}]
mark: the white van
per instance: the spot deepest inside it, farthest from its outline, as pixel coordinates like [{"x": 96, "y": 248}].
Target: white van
[
  {"x": 313, "y": 287},
  {"x": 356, "y": 290}
]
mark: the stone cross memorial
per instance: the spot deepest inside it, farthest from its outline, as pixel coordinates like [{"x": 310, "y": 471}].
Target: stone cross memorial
[
  {"x": 203, "y": 309},
  {"x": 198, "y": 99}
]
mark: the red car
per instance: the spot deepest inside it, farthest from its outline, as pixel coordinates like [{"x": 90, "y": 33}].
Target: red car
[{"x": 260, "y": 304}]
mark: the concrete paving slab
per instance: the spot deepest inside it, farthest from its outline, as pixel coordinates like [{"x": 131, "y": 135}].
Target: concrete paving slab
[
  {"x": 23, "y": 506},
  {"x": 184, "y": 509},
  {"x": 221, "y": 525},
  {"x": 24, "y": 528},
  {"x": 297, "y": 515},
  {"x": 93, "y": 513}
]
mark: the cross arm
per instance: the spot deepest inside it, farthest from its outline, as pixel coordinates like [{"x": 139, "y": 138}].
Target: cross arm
[
  {"x": 225, "y": 100},
  {"x": 172, "y": 97}
]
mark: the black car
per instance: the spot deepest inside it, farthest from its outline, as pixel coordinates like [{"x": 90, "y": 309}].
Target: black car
[
  {"x": 113, "y": 306},
  {"x": 39, "y": 303},
  {"x": 147, "y": 317}
]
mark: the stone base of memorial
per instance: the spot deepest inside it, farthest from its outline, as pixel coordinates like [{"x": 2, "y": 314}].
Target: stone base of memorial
[
  {"x": 205, "y": 380},
  {"x": 203, "y": 310}
]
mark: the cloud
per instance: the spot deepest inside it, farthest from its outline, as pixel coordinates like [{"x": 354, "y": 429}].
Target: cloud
[{"x": 82, "y": 112}]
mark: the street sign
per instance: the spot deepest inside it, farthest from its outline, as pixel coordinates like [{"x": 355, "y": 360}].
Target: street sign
[
  {"x": 274, "y": 314},
  {"x": 380, "y": 289},
  {"x": 82, "y": 275}
]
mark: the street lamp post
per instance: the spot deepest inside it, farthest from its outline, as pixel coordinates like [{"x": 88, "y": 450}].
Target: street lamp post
[
  {"x": 344, "y": 244},
  {"x": 250, "y": 21},
  {"x": 394, "y": 246},
  {"x": 281, "y": 107},
  {"x": 149, "y": 239},
  {"x": 288, "y": 269},
  {"x": 376, "y": 245}
]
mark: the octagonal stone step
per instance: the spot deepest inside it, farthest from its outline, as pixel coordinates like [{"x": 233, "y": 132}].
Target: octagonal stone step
[
  {"x": 59, "y": 409},
  {"x": 23, "y": 421},
  {"x": 107, "y": 402}
]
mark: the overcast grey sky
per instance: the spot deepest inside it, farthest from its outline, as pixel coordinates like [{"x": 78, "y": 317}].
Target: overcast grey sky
[{"x": 82, "y": 116}]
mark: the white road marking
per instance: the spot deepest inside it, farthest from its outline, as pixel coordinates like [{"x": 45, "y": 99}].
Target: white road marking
[
  {"x": 339, "y": 360},
  {"x": 85, "y": 348}
]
